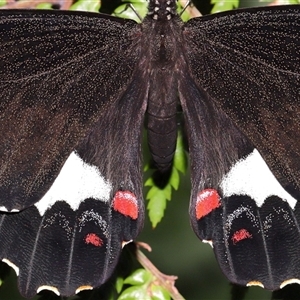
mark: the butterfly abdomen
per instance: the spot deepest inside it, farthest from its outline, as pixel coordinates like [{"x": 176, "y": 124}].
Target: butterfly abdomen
[{"x": 160, "y": 46}]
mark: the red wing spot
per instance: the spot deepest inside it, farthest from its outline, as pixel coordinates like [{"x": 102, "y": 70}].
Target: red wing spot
[
  {"x": 207, "y": 201},
  {"x": 94, "y": 239},
  {"x": 125, "y": 203},
  {"x": 240, "y": 235}
]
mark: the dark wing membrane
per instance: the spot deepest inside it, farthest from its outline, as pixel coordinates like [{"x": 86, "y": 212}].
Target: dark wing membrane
[
  {"x": 58, "y": 73},
  {"x": 240, "y": 91},
  {"x": 249, "y": 64}
]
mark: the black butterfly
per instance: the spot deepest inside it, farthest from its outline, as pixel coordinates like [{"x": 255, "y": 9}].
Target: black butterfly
[{"x": 74, "y": 90}]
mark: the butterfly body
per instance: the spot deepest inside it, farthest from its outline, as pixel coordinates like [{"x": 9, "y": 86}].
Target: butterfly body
[{"x": 75, "y": 92}]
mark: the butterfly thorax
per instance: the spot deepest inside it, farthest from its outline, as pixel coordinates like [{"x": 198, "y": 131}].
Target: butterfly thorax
[{"x": 161, "y": 51}]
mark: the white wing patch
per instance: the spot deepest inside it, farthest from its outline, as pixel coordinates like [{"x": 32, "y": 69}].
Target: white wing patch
[
  {"x": 76, "y": 182},
  {"x": 251, "y": 176}
]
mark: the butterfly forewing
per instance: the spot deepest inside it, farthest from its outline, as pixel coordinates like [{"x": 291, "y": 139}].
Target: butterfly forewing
[
  {"x": 222, "y": 59},
  {"x": 58, "y": 74}
]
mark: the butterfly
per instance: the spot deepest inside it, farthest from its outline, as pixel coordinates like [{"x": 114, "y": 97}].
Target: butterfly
[{"x": 75, "y": 88}]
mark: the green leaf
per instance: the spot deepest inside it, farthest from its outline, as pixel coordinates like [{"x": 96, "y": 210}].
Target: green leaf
[
  {"x": 159, "y": 293},
  {"x": 44, "y": 6},
  {"x": 146, "y": 167},
  {"x": 86, "y": 5},
  {"x": 127, "y": 12},
  {"x": 157, "y": 203},
  {"x": 135, "y": 293},
  {"x": 180, "y": 161},
  {"x": 174, "y": 179},
  {"x": 284, "y": 2},
  {"x": 223, "y": 5},
  {"x": 119, "y": 284},
  {"x": 154, "y": 191},
  {"x": 185, "y": 16},
  {"x": 138, "y": 277}
]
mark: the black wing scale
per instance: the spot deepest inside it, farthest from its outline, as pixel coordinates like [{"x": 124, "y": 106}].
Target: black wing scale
[{"x": 75, "y": 88}]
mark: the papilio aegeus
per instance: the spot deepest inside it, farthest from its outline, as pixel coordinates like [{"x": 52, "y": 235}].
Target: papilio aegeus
[{"x": 75, "y": 88}]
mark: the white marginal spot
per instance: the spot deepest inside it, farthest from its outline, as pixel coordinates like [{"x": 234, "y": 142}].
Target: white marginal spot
[
  {"x": 124, "y": 243},
  {"x": 289, "y": 281},
  {"x": 209, "y": 242},
  {"x": 76, "y": 182},
  {"x": 255, "y": 283},
  {"x": 48, "y": 288},
  {"x": 12, "y": 265},
  {"x": 83, "y": 288},
  {"x": 4, "y": 209},
  {"x": 252, "y": 177}
]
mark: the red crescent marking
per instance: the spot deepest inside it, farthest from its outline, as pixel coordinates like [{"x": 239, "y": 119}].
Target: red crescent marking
[
  {"x": 94, "y": 239},
  {"x": 125, "y": 203},
  {"x": 207, "y": 201},
  {"x": 240, "y": 235}
]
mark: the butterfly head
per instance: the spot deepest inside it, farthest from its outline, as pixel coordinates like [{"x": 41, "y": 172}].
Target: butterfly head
[{"x": 162, "y": 9}]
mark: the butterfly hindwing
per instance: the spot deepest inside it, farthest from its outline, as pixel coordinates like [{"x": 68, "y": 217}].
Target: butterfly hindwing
[{"x": 245, "y": 164}]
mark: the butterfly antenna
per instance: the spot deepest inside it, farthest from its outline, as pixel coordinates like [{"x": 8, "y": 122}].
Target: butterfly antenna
[
  {"x": 187, "y": 3},
  {"x": 190, "y": 8},
  {"x": 131, "y": 6}
]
